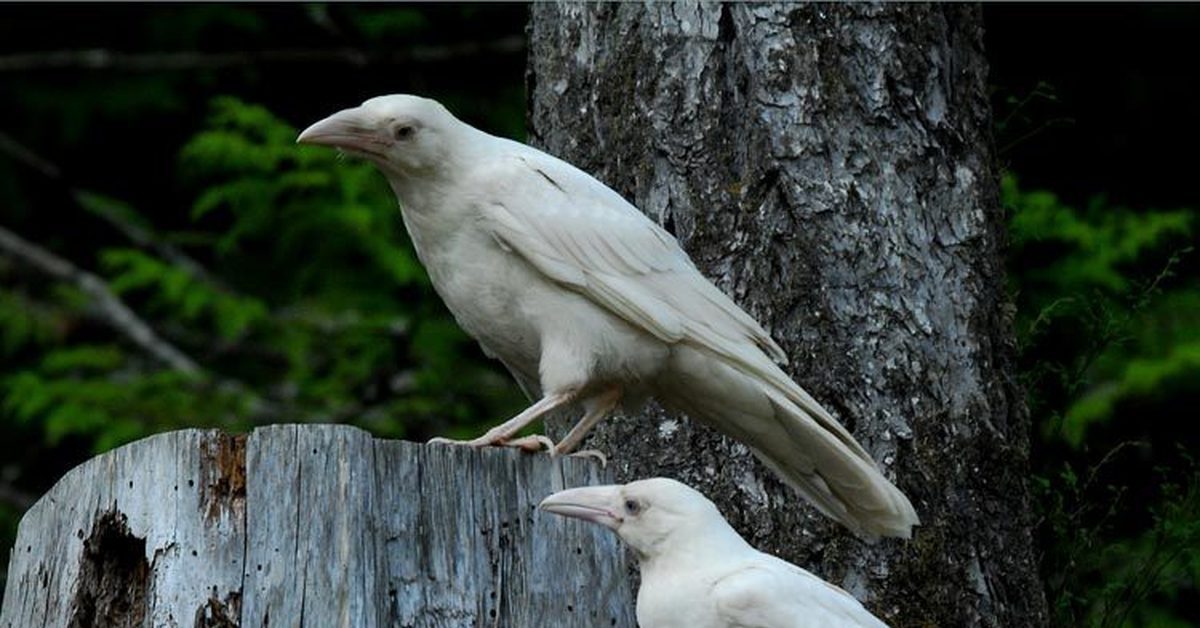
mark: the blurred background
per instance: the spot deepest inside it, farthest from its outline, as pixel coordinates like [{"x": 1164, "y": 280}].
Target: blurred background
[{"x": 149, "y": 182}]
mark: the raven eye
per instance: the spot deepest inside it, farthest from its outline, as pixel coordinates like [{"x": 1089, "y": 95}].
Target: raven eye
[
  {"x": 403, "y": 132},
  {"x": 632, "y": 507}
]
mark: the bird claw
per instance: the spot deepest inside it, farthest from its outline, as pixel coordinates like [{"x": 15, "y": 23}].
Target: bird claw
[
  {"x": 450, "y": 441},
  {"x": 591, "y": 453},
  {"x": 536, "y": 442},
  {"x": 532, "y": 443}
]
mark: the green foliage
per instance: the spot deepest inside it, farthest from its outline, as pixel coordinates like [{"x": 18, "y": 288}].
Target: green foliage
[
  {"x": 313, "y": 307},
  {"x": 203, "y": 22},
  {"x": 1160, "y": 562},
  {"x": 1097, "y": 576},
  {"x": 392, "y": 26},
  {"x": 332, "y": 227},
  {"x": 1104, "y": 324},
  {"x": 1095, "y": 243},
  {"x": 1090, "y": 291},
  {"x": 282, "y": 271},
  {"x": 178, "y": 293},
  {"x": 25, "y": 322},
  {"x": 89, "y": 400}
]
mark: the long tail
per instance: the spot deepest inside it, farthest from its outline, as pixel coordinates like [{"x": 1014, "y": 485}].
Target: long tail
[{"x": 792, "y": 435}]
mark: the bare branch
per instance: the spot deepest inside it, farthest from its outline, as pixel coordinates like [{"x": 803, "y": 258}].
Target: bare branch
[
  {"x": 125, "y": 321},
  {"x": 112, "y": 309},
  {"x": 135, "y": 233},
  {"x": 100, "y": 59},
  {"x": 341, "y": 322},
  {"x": 147, "y": 239},
  {"x": 21, "y": 153}
]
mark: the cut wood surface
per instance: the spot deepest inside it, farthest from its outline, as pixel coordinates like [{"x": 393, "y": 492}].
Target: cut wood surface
[{"x": 312, "y": 525}]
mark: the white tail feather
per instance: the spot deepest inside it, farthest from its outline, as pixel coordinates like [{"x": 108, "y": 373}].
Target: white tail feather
[{"x": 815, "y": 455}]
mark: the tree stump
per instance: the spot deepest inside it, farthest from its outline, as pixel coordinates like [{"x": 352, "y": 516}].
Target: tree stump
[{"x": 312, "y": 525}]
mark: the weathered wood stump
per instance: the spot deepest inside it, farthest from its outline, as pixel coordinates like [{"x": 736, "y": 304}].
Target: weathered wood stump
[{"x": 307, "y": 525}]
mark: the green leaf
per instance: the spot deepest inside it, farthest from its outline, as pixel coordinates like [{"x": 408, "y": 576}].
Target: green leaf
[{"x": 82, "y": 357}]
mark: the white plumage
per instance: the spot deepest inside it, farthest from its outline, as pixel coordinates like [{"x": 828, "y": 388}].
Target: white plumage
[
  {"x": 586, "y": 301},
  {"x": 697, "y": 572}
]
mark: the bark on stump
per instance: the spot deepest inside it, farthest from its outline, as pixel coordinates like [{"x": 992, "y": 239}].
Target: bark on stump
[
  {"x": 307, "y": 525},
  {"x": 830, "y": 167}
]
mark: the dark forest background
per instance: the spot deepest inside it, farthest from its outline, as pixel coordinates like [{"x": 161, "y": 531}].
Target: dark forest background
[{"x": 149, "y": 183}]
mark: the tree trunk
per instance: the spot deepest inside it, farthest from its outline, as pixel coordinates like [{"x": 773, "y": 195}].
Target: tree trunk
[
  {"x": 310, "y": 525},
  {"x": 830, "y": 167}
]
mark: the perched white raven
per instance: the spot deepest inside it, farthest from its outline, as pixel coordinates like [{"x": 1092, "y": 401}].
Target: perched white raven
[
  {"x": 697, "y": 572},
  {"x": 588, "y": 302}
]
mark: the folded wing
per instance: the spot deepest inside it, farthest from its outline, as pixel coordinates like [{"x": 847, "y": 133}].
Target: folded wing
[
  {"x": 780, "y": 595},
  {"x": 587, "y": 238}
]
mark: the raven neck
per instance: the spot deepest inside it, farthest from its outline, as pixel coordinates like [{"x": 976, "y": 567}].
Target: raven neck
[{"x": 704, "y": 544}]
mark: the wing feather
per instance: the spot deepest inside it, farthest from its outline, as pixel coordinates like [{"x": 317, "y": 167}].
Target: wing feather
[
  {"x": 637, "y": 306},
  {"x": 586, "y": 237},
  {"x": 579, "y": 233},
  {"x": 775, "y": 594}
]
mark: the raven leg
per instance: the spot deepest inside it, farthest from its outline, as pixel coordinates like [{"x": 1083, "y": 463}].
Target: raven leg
[
  {"x": 595, "y": 409},
  {"x": 500, "y": 434}
]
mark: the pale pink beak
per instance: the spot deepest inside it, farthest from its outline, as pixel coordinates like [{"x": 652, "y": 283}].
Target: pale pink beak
[
  {"x": 352, "y": 130},
  {"x": 596, "y": 504}
]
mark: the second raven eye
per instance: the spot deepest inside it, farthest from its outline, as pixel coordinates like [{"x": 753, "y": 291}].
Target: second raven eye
[{"x": 403, "y": 132}]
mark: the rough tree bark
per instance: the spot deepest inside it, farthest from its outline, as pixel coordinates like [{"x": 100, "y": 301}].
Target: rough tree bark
[
  {"x": 830, "y": 166},
  {"x": 306, "y": 525}
]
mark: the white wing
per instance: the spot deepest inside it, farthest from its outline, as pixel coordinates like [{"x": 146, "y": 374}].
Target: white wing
[
  {"x": 777, "y": 594},
  {"x": 585, "y": 236},
  {"x": 582, "y": 234}
]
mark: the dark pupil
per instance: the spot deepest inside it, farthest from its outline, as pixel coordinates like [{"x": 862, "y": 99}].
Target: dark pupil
[
  {"x": 631, "y": 506},
  {"x": 403, "y": 132}
]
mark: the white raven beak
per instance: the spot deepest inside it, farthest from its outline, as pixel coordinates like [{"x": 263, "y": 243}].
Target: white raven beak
[
  {"x": 597, "y": 504},
  {"x": 352, "y": 130}
]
